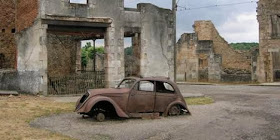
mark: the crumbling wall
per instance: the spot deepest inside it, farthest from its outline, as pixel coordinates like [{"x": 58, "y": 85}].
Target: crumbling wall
[
  {"x": 206, "y": 56},
  {"x": 231, "y": 58},
  {"x": 269, "y": 44},
  {"x": 187, "y": 62},
  {"x": 7, "y": 37},
  {"x": 114, "y": 34},
  {"x": 9, "y": 80},
  {"x": 32, "y": 59},
  {"x": 157, "y": 51},
  {"x": 27, "y": 12}
]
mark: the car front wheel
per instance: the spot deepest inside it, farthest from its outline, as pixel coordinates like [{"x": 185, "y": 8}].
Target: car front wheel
[{"x": 100, "y": 117}]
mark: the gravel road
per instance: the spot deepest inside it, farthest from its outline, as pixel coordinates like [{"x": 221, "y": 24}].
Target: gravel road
[{"x": 239, "y": 112}]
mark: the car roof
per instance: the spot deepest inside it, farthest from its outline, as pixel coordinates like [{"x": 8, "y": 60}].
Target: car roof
[{"x": 154, "y": 78}]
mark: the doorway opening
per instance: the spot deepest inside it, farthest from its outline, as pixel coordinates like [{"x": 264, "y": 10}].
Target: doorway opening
[
  {"x": 276, "y": 66},
  {"x": 132, "y": 55}
]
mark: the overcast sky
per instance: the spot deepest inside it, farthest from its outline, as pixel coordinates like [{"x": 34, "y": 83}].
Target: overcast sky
[{"x": 235, "y": 22}]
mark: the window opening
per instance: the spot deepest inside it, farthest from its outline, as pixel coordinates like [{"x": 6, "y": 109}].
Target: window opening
[
  {"x": 146, "y": 86},
  {"x": 79, "y": 1},
  {"x": 164, "y": 87}
]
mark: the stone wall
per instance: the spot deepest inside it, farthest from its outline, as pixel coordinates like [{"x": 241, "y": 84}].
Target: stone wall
[
  {"x": 27, "y": 11},
  {"x": 206, "y": 56},
  {"x": 41, "y": 54},
  {"x": 157, "y": 51},
  {"x": 231, "y": 58},
  {"x": 61, "y": 54},
  {"x": 9, "y": 80},
  {"x": 269, "y": 44},
  {"x": 7, "y": 37},
  {"x": 187, "y": 61},
  {"x": 32, "y": 59}
]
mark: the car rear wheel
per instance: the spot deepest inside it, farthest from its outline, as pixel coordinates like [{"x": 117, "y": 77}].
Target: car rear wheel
[{"x": 175, "y": 110}]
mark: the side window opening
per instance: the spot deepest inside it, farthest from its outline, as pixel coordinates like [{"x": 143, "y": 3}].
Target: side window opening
[
  {"x": 275, "y": 19},
  {"x": 164, "y": 87},
  {"x": 79, "y": 1},
  {"x": 146, "y": 86}
]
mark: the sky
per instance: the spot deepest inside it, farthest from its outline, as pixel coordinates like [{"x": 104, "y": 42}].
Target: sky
[{"x": 235, "y": 22}]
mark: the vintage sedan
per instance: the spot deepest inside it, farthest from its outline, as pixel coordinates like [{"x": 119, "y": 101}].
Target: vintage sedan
[{"x": 133, "y": 97}]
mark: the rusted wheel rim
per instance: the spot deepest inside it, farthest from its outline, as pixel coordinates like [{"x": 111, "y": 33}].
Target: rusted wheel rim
[
  {"x": 100, "y": 117},
  {"x": 174, "y": 111}
]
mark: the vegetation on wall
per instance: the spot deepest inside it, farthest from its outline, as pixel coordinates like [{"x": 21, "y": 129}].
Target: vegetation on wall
[{"x": 244, "y": 46}]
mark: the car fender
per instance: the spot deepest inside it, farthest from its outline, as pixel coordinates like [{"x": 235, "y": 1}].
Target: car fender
[
  {"x": 174, "y": 103},
  {"x": 94, "y": 100}
]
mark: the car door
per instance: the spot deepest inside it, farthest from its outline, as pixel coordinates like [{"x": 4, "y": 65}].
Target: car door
[
  {"x": 165, "y": 94},
  {"x": 142, "y": 97}
]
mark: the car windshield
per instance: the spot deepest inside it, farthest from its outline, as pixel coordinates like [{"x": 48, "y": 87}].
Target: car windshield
[{"x": 127, "y": 83}]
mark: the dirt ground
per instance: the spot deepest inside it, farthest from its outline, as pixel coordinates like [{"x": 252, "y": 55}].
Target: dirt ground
[{"x": 239, "y": 112}]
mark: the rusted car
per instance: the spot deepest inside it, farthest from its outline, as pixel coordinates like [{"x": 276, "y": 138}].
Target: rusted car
[{"x": 133, "y": 96}]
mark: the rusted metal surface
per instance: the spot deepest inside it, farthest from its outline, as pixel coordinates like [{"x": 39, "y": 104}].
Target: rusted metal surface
[
  {"x": 76, "y": 83},
  {"x": 133, "y": 97}
]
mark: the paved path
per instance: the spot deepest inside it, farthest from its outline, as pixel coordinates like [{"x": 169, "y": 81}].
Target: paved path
[{"x": 240, "y": 112}]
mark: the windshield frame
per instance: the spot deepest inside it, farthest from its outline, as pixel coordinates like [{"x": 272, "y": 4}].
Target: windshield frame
[{"x": 129, "y": 78}]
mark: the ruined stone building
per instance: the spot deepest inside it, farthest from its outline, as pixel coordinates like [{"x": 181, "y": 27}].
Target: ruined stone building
[
  {"x": 268, "y": 69},
  {"x": 48, "y": 35},
  {"x": 205, "y": 56}
]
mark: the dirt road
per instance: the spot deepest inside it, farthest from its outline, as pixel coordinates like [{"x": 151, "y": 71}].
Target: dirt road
[{"x": 240, "y": 112}]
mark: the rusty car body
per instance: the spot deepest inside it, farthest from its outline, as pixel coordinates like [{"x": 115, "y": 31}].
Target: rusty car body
[{"x": 133, "y": 96}]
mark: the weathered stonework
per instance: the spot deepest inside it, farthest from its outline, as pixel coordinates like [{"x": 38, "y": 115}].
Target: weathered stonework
[
  {"x": 206, "y": 56},
  {"x": 49, "y": 32},
  {"x": 268, "y": 66},
  {"x": 7, "y": 37},
  {"x": 27, "y": 12}
]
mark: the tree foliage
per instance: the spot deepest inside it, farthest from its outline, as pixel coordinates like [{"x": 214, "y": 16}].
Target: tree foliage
[
  {"x": 88, "y": 53},
  {"x": 128, "y": 51},
  {"x": 244, "y": 46}
]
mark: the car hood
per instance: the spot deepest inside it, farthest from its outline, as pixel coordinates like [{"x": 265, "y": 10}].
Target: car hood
[{"x": 107, "y": 91}]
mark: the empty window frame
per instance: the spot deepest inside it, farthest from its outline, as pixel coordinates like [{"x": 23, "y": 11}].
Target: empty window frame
[
  {"x": 79, "y": 1},
  {"x": 146, "y": 86},
  {"x": 163, "y": 87},
  {"x": 275, "y": 20}
]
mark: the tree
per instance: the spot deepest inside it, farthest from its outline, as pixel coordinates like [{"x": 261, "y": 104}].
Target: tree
[
  {"x": 88, "y": 53},
  {"x": 128, "y": 51},
  {"x": 243, "y": 46}
]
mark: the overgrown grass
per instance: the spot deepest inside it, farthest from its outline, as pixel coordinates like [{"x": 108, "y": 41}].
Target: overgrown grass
[
  {"x": 199, "y": 100},
  {"x": 17, "y": 112}
]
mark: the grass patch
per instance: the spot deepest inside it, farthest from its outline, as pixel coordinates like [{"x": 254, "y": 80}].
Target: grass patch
[
  {"x": 199, "y": 100},
  {"x": 101, "y": 137},
  {"x": 18, "y": 111}
]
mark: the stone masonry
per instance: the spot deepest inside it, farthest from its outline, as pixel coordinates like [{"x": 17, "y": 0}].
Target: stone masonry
[
  {"x": 268, "y": 66},
  {"x": 7, "y": 36},
  {"x": 49, "y": 34},
  {"x": 206, "y": 56}
]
